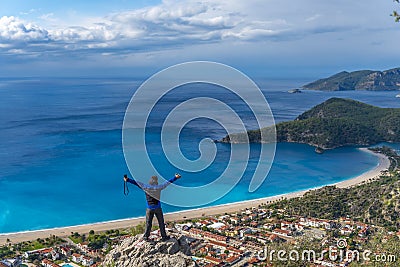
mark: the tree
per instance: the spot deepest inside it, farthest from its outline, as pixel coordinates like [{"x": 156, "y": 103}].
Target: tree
[{"x": 395, "y": 14}]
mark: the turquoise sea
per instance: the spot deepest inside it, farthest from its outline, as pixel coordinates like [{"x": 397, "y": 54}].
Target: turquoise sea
[{"x": 61, "y": 160}]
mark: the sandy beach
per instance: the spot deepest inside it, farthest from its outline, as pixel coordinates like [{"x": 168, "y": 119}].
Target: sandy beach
[{"x": 383, "y": 164}]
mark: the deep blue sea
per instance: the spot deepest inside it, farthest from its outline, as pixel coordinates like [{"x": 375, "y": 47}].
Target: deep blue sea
[{"x": 61, "y": 159}]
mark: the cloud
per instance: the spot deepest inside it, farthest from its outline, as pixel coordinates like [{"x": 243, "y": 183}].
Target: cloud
[
  {"x": 13, "y": 29},
  {"x": 174, "y": 24},
  {"x": 164, "y": 26}
]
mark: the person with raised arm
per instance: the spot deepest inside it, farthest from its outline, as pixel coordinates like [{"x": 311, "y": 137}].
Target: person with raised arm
[{"x": 153, "y": 192}]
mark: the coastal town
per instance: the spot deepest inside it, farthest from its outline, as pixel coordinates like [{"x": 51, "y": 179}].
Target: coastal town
[{"x": 245, "y": 238}]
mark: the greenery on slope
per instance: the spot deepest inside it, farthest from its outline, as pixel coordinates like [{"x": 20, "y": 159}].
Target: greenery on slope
[
  {"x": 334, "y": 123},
  {"x": 377, "y": 202},
  {"x": 379, "y": 243},
  {"x": 359, "y": 80}
]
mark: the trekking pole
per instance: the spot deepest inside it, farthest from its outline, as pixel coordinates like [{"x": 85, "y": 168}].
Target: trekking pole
[{"x": 126, "y": 188}]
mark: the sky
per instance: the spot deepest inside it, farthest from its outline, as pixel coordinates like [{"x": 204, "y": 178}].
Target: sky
[{"x": 262, "y": 38}]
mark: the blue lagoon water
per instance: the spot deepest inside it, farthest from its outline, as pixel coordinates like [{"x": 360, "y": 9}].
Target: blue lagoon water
[{"x": 61, "y": 159}]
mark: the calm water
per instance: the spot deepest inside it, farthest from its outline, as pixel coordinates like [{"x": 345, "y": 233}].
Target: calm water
[{"x": 61, "y": 157}]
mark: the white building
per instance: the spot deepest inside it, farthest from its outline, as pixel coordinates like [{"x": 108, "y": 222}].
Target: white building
[
  {"x": 87, "y": 261},
  {"x": 12, "y": 262},
  {"x": 76, "y": 257}
]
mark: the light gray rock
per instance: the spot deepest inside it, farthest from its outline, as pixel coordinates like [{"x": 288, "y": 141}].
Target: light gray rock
[{"x": 134, "y": 252}]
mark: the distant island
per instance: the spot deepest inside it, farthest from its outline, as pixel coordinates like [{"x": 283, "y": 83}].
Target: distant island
[
  {"x": 387, "y": 80},
  {"x": 334, "y": 123}
]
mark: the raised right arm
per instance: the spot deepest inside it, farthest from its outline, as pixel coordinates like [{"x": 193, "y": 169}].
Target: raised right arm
[{"x": 132, "y": 181}]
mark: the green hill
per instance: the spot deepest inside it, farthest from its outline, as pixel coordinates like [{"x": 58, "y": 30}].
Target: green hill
[
  {"x": 334, "y": 123},
  {"x": 359, "y": 80},
  {"x": 376, "y": 202}
]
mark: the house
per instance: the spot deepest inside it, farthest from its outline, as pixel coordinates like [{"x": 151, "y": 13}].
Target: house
[
  {"x": 223, "y": 229},
  {"x": 328, "y": 225},
  {"x": 362, "y": 233},
  {"x": 204, "y": 223},
  {"x": 213, "y": 220},
  {"x": 234, "y": 220},
  {"x": 245, "y": 231},
  {"x": 250, "y": 236},
  {"x": 253, "y": 261},
  {"x": 251, "y": 246},
  {"x": 268, "y": 226},
  {"x": 253, "y": 216},
  {"x": 224, "y": 217},
  {"x": 219, "y": 245},
  {"x": 275, "y": 238},
  {"x": 207, "y": 235},
  {"x": 216, "y": 225},
  {"x": 303, "y": 221},
  {"x": 87, "y": 261},
  {"x": 298, "y": 227},
  {"x": 54, "y": 255},
  {"x": 83, "y": 246},
  {"x": 247, "y": 212},
  {"x": 45, "y": 252},
  {"x": 286, "y": 225},
  {"x": 262, "y": 240},
  {"x": 49, "y": 263},
  {"x": 282, "y": 232},
  {"x": 254, "y": 224},
  {"x": 245, "y": 219},
  {"x": 212, "y": 260},
  {"x": 233, "y": 259},
  {"x": 46, "y": 263},
  {"x": 346, "y": 222},
  {"x": 183, "y": 227},
  {"x": 346, "y": 231},
  {"x": 314, "y": 223},
  {"x": 231, "y": 233},
  {"x": 76, "y": 257},
  {"x": 11, "y": 262},
  {"x": 66, "y": 251}
]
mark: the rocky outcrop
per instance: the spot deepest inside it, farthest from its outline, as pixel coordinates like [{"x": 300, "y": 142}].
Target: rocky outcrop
[{"x": 136, "y": 252}]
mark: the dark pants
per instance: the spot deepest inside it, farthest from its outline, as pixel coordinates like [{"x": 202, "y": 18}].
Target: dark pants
[{"x": 149, "y": 221}]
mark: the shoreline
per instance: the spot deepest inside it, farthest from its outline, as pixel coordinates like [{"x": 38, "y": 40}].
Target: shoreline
[{"x": 383, "y": 164}]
